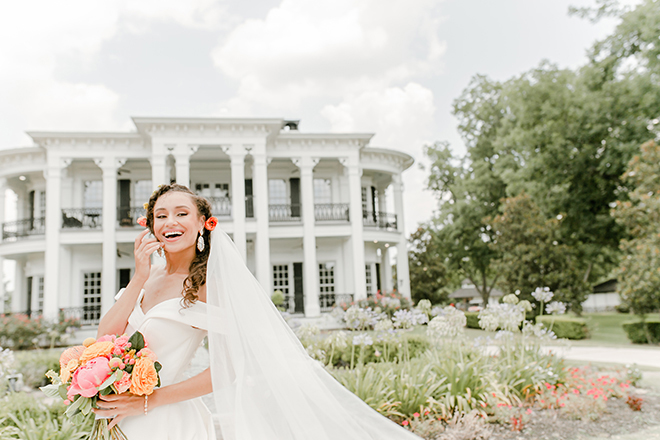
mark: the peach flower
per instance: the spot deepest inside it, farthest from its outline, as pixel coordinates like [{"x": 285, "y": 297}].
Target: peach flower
[
  {"x": 89, "y": 377},
  {"x": 97, "y": 349},
  {"x": 124, "y": 383},
  {"x": 65, "y": 372},
  {"x": 144, "y": 377},
  {"x": 71, "y": 353},
  {"x": 145, "y": 352}
]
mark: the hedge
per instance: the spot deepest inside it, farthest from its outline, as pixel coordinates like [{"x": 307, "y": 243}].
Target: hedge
[
  {"x": 565, "y": 326},
  {"x": 636, "y": 333},
  {"x": 472, "y": 320}
]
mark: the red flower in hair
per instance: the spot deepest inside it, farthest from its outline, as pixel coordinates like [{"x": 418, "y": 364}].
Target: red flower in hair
[
  {"x": 211, "y": 223},
  {"x": 142, "y": 221}
]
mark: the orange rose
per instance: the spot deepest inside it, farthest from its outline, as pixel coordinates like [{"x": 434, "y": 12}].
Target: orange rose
[
  {"x": 95, "y": 350},
  {"x": 71, "y": 353},
  {"x": 144, "y": 377},
  {"x": 65, "y": 372}
]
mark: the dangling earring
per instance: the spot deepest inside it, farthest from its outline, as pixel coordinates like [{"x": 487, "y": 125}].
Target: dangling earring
[
  {"x": 161, "y": 252},
  {"x": 200, "y": 240}
]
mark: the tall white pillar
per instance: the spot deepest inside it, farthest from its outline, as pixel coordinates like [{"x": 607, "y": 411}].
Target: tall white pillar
[
  {"x": 53, "y": 226},
  {"x": 402, "y": 269},
  {"x": 158, "y": 161},
  {"x": 310, "y": 264},
  {"x": 387, "y": 270},
  {"x": 237, "y": 156},
  {"x": 357, "y": 236},
  {"x": 260, "y": 200},
  {"x": 182, "y": 155},
  {"x": 109, "y": 165},
  {"x": 3, "y": 188}
]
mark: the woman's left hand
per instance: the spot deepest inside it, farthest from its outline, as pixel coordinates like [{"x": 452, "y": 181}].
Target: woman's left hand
[{"x": 119, "y": 406}]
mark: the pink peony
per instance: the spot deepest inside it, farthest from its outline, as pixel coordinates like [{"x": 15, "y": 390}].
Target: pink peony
[
  {"x": 89, "y": 377},
  {"x": 124, "y": 383}
]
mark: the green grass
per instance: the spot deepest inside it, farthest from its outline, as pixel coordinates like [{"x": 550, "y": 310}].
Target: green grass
[{"x": 605, "y": 328}]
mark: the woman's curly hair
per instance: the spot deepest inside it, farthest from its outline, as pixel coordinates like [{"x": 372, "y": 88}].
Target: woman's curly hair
[{"x": 197, "y": 271}]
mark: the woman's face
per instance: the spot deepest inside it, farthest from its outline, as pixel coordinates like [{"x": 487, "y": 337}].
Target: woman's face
[{"x": 176, "y": 221}]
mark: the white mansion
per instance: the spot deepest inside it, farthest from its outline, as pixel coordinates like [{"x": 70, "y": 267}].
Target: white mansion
[{"x": 307, "y": 211}]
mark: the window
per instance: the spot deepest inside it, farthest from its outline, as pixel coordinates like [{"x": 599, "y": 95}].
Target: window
[
  {"x": 142, "y": 191},
  {"x": 281, "y": 281},
  {"x": 93, "y": 194},
  {"x": 369, "y": 279},
  {"x": 322, "y": 191},
  {"x": 40, "y": 295},
  {"x": 277, "y": 192},
  {"x": 91, "y": 312},
  {"x": 365, "y": 205},
  {"x": 42, "y": 204},
  {"x": 327, "y": 285}
]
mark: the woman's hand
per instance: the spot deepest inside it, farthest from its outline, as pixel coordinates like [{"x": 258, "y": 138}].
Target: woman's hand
[
  {"x": 119, "y": 406},
  {"x": 143, "y": 250}
]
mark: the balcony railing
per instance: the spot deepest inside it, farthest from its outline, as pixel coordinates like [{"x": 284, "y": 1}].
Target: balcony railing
[
  {"x": 284, "y": 213},
  {"x": 88, "y": 315},
  {"x": 82, "y": 218},
  {"x": 220, "y": 206},
  {"x": 127, "y": 216},
  {"x": 331, "y": 211},
  {"x": 381, "y": 220},
  {"x": 12, "y": 231},
  {"x": 329, "y": 300}
]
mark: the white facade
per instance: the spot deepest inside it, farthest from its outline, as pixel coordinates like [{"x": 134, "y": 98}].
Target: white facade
[{"x": 313, "y": 218}]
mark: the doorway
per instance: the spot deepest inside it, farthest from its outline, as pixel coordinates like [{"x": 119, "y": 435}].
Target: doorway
[{"x": 298, "y": 294}]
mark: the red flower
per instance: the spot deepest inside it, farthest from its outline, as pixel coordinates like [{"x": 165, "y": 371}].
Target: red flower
[
  {"x": 211, "y": 223},
  {"x": 416, "y": 414},
  {"x": 405, "y": 423},
  {"x": 142, "y": 221}
]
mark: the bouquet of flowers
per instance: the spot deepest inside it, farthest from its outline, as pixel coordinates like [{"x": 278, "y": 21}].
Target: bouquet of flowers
[{"x": 109, "y": 365}]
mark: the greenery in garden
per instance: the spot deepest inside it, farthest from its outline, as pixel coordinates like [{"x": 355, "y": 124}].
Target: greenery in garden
[{"x": 19, "y": 331}]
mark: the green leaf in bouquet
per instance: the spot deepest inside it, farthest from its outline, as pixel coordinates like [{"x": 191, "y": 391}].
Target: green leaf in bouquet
[
  {"x": 111, "y": 379},
  {"x": 62, "y": 390},
  {"x": 74, "y": 408},
  {"x": 86, "y": 406},
  {"x": 51, "y": 390},
  {"x": 157, "y": 366},
  {"x": 137, "y": 341}
]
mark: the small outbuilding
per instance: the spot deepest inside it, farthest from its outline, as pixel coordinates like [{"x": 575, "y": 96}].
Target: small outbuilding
[{"x": 468, "y": 296}]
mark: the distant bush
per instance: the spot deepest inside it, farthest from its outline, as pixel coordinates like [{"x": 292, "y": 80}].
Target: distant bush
[
  {"x": 472, "y": 320},
  {"x": 566, "y": 327},
  {"x": 33, "y": 365},
  {"x": 638, "y": 335}
]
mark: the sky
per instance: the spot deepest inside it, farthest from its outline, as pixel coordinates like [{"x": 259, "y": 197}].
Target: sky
[{"x": 388, "y": 67}]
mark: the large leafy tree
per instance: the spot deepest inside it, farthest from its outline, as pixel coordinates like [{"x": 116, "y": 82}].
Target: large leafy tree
[
  {"x": 532, "y": 255},
  {"x": 639, "y": 271},
  {"x": 429, "y": 278}
]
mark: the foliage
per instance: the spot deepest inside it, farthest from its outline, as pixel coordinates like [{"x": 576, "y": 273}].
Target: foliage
[
  {"x": 643, "y": 332},
  {"x": 566, "y": 327},
  {"x": 472, "y": 320},
  {"x": 532, "y": 255},
  {"x": 429, "y": 278},
  {"x": 34, "y": 364},
  {"x": 639, "y": 270},
  {"x": 278, "y": 299},
  {"x": 19, "y": 331}
]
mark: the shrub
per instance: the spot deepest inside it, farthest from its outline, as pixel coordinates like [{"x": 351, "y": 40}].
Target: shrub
[
  {"x": 472, "y": 320},
  {"x": 638, "y": 334},
  {"x": 565, "y": 326},
  {"x": 19, "y": 332},
  {"x": 34, "y": 364}
]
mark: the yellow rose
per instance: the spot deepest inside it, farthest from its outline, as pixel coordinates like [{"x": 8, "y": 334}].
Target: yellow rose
[
  {"x": 144, "y": 377},
  {"x": 95, "y": 350}
]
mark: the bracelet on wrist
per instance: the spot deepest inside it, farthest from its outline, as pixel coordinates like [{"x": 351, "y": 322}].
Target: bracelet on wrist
[{"x": 146, "y": 404}]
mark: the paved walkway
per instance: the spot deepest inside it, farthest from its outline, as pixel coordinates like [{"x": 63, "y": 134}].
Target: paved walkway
[{"x": 647, "y": 357}]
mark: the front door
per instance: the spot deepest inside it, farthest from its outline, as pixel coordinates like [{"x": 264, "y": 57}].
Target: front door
[{"x": 298, "y": 295}]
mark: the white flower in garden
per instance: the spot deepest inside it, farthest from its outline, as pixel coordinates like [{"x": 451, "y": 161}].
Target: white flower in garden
[
  {"x": 383, "y": 325},
  {"x": 488, "y": 322},
  {"x": 338, "y": 340},
  {"x": 419, "y": 318},
  {"x": 538, "y": 330},
  {"x": 449, "y": 323},
  {"x": 6, "y": 362},
  {"x": 403, "y": 319},
  {"x": 424, "y": 306},
  {"x": 435, "y": 311},
  {"x": 525, "y": 305},
  {"x": 510, "y": 299},
  {"x": 307, "y": 331},
  {"x": 507, "y": 317},
  {"x": 556, "y": 308},
  {"x": 543, "y": 294},
  {"x": 362, "y": 339},
  {"x": 358, "y": 318},
  {"x": 391, "y": 302}
]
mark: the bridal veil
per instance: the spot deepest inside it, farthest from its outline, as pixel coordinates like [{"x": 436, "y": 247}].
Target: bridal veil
[{"x": 265, "y": 385}]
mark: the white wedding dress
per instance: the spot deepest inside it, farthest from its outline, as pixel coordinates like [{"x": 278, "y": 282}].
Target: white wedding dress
[{"x": 174, "y": 333}]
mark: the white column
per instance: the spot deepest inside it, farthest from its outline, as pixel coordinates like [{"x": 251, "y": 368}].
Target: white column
[
  {"x": 402, "y": 269},
  {"x": 158, "y": 161},
  {"x": 3, "y": 188},
  {"x": 237, "y": 155},
  {"x": 387, "y": 270},
  {"x": 109, "y": 165},
  {"x": 182, "y": 155},
  {"x": 53, "y": 226},
  {"x": 260, "y": 200},
  {"x": 357, "y": 240},
  {"x": 310, "y": 265},
  {"x": 18, "y": 299}
]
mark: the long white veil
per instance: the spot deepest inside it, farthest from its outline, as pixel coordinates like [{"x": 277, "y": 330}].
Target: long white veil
[{"x": 265, "y": 385}]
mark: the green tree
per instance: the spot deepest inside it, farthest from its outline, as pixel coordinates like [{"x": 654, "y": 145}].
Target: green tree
[
  {"x": 429, "y": 278},
  {"x": 639, "y": 271},
  {"x": 532, "y": 255}
]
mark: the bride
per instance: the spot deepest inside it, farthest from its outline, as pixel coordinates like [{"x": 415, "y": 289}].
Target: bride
[{"x": 264, "y": 385}]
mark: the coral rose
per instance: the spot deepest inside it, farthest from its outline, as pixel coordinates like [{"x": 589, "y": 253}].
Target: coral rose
[
  {"x": 95, "y": 350},
  {"x": 142, "y": 221},
  {"x": 211, "y": 223},
  {"x": 144, "y": 377},
  {"x": 145, "y": 352},
  {"x": 71, "y": 353},
  {"x": 89, "y": 377}
]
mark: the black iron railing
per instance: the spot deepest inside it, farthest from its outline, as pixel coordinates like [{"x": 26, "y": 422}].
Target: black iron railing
[
  {"x": 12, "y": 231},
  {"x": 331, "y": 299},
  {"x": 331, "y": 211},
  {"x": 220, "y": 206},
  {"x": 82, "y": 218},
  {"x": 284, "y": 213},
  {"x": 88, "y": 315},
  {"x": 249, "y": 206},
  {"x": 382, "y": 220},
  {"x": 127, "y": 216}
]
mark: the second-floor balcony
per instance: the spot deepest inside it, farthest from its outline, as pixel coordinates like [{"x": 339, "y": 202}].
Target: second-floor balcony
[
  {"x": 15, "y": 230},
  {"x": 75, "y": 218},
  {"x": 331, "y": 212},
  {"x": 285, "y": 212},
  {"x": 380, "y": 220}
]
